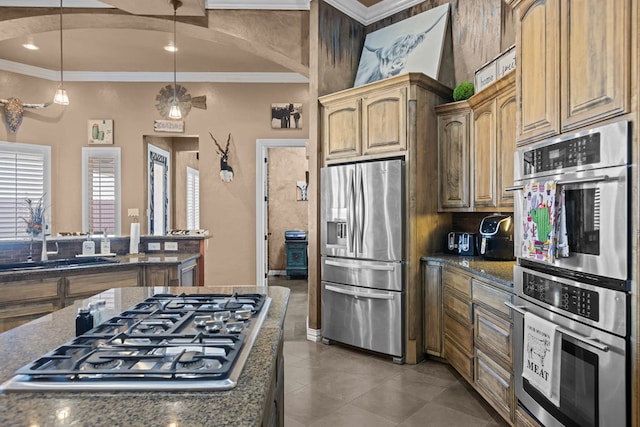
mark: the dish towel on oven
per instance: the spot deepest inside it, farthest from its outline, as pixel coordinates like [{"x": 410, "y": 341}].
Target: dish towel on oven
[
  {"x": 541, "y": 356},
  {"x": 544, "y": 222}
]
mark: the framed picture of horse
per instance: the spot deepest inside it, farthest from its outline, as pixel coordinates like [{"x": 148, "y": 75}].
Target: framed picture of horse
[
  {"x": 286, "y": 115},
  {"x": 414, "y": 44}
]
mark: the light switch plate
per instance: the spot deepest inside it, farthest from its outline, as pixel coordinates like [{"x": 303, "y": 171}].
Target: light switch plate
[
  {"x": 170, "y": 246},
  {"x": 154, "y": 246}
]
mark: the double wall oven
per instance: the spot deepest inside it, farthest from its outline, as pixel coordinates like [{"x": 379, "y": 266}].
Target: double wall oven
[{"x": 585, "y": 293}]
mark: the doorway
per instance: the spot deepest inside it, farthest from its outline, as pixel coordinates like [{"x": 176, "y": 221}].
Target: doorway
[
  {"x": 290, "y": 178},
  {"x": 172, "y": 196}
]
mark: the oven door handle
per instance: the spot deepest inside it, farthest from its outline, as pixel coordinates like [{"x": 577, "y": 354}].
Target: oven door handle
[
  {"x": 586, "y": 340},
  {"x": 600, "y": 178},
  {"x": 584, "y": 180}
]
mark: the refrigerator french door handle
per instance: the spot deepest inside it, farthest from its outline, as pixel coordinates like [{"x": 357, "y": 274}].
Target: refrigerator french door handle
[
  {"x": 361, "y": 219},
  {"x": 351, "y": 214},
  {"x": 357, "y": 294},
  {"x": 358, "y": 266}
]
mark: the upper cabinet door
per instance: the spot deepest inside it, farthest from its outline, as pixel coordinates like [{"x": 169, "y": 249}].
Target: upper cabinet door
[
  {"x": 484, "y": 156},
  {"x": 341, "y": 129},
  {"x": 505, "y": 146},
  {"x": 454, "y": 141},
  {"x": 595, "y": 60},
  {"x": 385, "y": 121},
  {"x": 537, "y": 77}
]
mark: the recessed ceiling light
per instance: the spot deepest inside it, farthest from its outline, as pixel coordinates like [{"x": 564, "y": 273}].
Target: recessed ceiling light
[
  {"x": 30, "y": 46},
  {"x": 170, "y": 48}
]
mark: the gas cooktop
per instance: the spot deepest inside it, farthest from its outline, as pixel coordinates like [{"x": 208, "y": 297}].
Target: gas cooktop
[{"x": 166, "y": 342}]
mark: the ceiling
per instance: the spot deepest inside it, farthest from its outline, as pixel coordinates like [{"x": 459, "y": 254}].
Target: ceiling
[{"x": 120, "y": 54}]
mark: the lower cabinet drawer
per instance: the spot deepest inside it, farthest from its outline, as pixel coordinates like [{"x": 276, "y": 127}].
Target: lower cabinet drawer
[
  {"x": 495, "y": 384},
  {"x": 458, "y": 359},
  {"x": 523, "y": 419},
  {"x": 494, "y": 334},
  {"x": 461, "y": 333},
  {"x": 457, "y": 307}
]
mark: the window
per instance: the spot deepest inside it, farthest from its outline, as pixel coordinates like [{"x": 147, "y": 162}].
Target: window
[
  {"x": 25, "y": 173},
  {"x": 101, "y": 190},
  {"x": 193, "y": 199}
]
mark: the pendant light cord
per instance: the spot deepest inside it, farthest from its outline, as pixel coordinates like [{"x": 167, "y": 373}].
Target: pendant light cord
[
  {"x": 175, "y": 51},
  {"x": 61, "y": 57}
]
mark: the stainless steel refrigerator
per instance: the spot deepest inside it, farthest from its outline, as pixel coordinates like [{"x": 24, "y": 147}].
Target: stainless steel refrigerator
[{"x": 362, "y": 248}]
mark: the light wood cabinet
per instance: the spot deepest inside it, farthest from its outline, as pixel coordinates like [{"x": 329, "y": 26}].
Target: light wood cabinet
[
  {"x": 24, "y": 300},
  {"x": 458, "y": 326},
  {"x": 433, "y": 323},
  {"x": 537, "y": 73},
  {"x": 384, "y": 121},
  {"x": 341, "y": 128},
  {"x": 493, "y": 145},
  {"x": 523, "y": 419},
  {"x": 595, "y": 60},
  {"x": 81, "y": 286},
  {"x": 478, "y": 336},
  {"x": 454, "y": 144},
  {"x": 395, "y": 118},
  {"x": 183, "y": 274},
  {"x": 493, "y": 342},
  {"x": 574, "y": 63}
]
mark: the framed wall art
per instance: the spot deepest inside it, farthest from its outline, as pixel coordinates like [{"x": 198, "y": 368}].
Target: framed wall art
[
  {"x": 286, "y": 116},
  {"x": 100, "y": 132},
  {"x": 414, "y": 44}
]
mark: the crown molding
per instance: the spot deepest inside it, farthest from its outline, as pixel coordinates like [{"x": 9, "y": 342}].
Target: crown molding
[
  {"x": 89, "y": 4},
  {"x": 141, "y": 77},
  {"x": 209, "y": 4},
  {"x": 369, "y": 15},
  {"x": 258, "y": 4}
]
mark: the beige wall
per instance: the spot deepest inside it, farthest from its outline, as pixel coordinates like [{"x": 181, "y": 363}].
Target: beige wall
[
  {"x": 228, "y": 210},
  {"x": 286, "y": 167}
]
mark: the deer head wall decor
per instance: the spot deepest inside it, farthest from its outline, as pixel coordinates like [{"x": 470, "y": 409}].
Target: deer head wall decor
[
  {"x": 13, "y": 110},
  {"x": 226, "y": 171}
]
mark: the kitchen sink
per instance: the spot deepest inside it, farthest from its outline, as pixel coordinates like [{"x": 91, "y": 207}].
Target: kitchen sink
[{"x": 57, "y": 263}]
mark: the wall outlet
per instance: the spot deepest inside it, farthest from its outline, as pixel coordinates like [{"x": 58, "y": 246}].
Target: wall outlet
[
  {"x": 170, "y": 246},
  {"x": 154, "y": 246},
  {"x": 133, "y": 212}
]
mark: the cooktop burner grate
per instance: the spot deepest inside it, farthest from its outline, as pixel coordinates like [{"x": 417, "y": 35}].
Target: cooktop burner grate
[{"x": 166, "y": 342}]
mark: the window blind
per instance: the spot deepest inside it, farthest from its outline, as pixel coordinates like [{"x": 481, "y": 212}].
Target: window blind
[
  {"x": 24, "y": 173},
  {"x": 102, "y": 190},
  {"x": 193, "y": 199}
]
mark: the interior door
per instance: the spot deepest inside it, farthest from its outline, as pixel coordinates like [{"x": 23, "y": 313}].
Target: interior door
[{"x": 159, "y": 182}]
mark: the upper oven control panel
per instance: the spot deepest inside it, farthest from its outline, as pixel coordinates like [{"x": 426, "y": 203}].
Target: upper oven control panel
[
  {"x": 573, "y": 152},
  {"x": 595, "y": 148}
]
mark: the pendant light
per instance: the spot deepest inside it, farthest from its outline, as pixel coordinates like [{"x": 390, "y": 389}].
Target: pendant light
[
  {"x": 174, "y": 111},
  {"x": 61, "y": 96}
]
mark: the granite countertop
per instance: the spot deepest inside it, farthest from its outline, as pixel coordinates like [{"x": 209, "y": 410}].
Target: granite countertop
[
  {"x": 497, "y": 271},
  {"x": 123, "y": 261},
  {"x": 240, "y": 406},
  {"x": 165, "y": 258}
]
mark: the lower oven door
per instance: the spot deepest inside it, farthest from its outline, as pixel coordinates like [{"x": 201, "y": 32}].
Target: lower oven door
[
  {"x": 363, "y": 317},
  {"x": 593, "y": 384}
]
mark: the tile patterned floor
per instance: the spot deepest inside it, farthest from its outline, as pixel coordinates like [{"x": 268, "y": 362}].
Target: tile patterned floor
[{"x": 335, "y": 386}]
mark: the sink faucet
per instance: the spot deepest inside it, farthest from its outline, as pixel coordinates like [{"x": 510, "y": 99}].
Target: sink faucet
[{"x": 45, "y": 254}]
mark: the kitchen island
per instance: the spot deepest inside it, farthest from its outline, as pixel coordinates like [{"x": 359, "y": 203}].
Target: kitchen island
[{"x": 250, "y": 403}]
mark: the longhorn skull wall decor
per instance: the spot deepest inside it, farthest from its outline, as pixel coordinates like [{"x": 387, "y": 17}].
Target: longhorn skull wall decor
[
  {"x": 14, "y": 109},
  {"x": 226, "y": 171}
]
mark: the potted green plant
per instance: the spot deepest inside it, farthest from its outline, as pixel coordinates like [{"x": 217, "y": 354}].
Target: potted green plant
[{"x": 464, "y": 90}]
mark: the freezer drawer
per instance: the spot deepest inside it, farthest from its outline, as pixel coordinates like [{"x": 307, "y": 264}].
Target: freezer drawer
[
  {"x": 365, "y": 318},
  {"x": 368, "y": 274}
]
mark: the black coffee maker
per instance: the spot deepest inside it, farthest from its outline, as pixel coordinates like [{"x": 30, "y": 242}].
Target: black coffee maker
[{"x": 496, "y": 238}]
